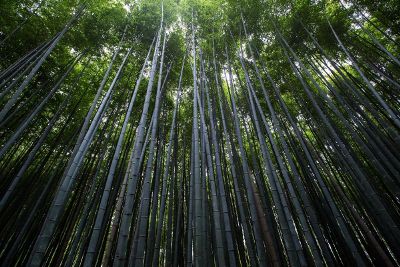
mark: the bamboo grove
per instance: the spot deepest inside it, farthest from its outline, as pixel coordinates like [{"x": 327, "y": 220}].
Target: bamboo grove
[{"x": 205, "y": 133}]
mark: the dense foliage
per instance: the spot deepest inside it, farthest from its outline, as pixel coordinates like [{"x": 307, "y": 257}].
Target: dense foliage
[{"x": 184, "y": 132}]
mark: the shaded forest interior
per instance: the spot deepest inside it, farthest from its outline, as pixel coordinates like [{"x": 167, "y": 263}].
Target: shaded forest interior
[{"x": 199, "y": 133}]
